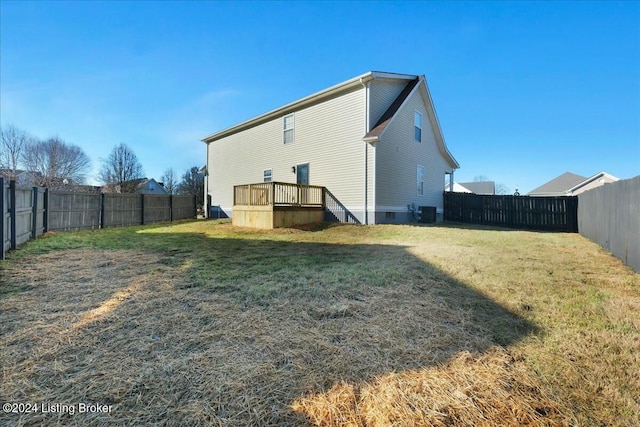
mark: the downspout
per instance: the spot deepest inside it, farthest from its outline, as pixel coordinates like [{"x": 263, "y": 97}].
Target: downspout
[
  {"x": 366, "y": 149},
  {"x": 205, "y": 203}
]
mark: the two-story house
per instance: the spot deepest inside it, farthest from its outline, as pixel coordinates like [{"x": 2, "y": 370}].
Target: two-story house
[{"x": 373, "y": 141}]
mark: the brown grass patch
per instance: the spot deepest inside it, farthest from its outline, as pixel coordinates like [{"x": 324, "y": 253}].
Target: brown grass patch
[{"x": 470, "y": 390}]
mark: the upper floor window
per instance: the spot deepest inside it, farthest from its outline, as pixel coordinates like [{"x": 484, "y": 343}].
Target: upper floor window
[
  {"x": 267, "y": 175},
  {"x": 288, "y": 128},
  {"x": 417, "y": 126}
]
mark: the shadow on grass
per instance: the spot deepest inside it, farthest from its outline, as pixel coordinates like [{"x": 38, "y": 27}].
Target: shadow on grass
[{"x": 243, "y": 325}]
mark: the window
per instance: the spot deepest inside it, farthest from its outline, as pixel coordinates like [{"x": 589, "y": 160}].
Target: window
[
  {"x": 420, "y": 180},
  {"x": 417, "y": 126},
  {"x": 267, "y": 174},
  {"x": 288, "y": 128}
]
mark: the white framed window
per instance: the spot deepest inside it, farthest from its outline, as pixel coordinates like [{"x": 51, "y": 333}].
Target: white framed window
[
  {"x": 417, "y": 126},
  {"x": 288, "y": 125},
  {"x": 420, "y": 180},
  {"x": 267, "y": 175}
]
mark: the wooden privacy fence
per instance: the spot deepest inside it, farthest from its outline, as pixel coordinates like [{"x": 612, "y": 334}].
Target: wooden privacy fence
[
  {"x": 30, "y": 211},
  {"x": 524, "y": 212},
  {"x": 23, "y": 212}
]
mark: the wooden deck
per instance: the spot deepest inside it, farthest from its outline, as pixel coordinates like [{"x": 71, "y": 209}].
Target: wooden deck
[{"x": 268, "y": 205}]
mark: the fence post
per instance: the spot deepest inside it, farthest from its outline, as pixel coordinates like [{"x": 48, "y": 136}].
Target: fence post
[
  {"x": 3, "y": 217},
  {"x": 101, "y": 224},
  {"x": 142, "y": 209},
  {"x": 195, "y": 206},
  {"x": 12, "y": 214},
  {"x": 170, "y": 207},
  {"x": 45, "y": 214},
  {"x": 34, "y": 213}
]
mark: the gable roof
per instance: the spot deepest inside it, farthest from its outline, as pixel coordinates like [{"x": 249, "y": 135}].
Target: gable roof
[
  {"x": 559, "y": 185},
  {"x": 593, "y": 178},
  {"x": 457, "y": 188},
  {"x": 414, "y": 83},
  {"x": 420, "y": 84},
  {"x": 480, "y": 187},
  {"x": 379, "y": 127},
  {"x": 567, "y": 183}
]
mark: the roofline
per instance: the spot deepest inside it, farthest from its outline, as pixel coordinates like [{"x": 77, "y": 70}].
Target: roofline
[
  {"x": 290, "y": 107},
  {"x": 439, "y": 134},
  {"x": 442, "y": 145},
  {"x": 591, "y": 179}
]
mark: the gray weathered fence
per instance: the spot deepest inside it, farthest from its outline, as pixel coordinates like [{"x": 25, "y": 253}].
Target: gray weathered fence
[
  {"x": 29, "y": 212},
  {"x": 610, "y": 216}
]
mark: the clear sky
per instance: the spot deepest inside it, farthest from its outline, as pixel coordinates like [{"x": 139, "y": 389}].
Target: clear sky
[{"x": 524, "y": 91}]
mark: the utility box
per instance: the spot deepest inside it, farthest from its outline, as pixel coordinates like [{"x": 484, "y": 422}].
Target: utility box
[{"x": 428, "y": 214}]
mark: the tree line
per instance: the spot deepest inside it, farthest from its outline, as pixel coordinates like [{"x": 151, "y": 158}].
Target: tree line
[{"x": 53, "y": 162}]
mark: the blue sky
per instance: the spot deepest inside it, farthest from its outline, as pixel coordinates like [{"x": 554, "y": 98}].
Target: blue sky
[{"x": 524, "y": 91}]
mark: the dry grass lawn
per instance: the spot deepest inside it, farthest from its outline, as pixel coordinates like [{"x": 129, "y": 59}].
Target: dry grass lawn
[{"x": 203, "y": 324}]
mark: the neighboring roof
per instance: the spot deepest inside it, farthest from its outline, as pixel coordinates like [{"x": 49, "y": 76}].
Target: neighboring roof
[
  {"x": 313, "y": 98},
  {"x": 457, "y": 188},
  {"x": 599, "y": 175},
  {"x": 71, "y": 188},
  {"x": 567, "y": 183},
  {"x": 480, "y": 187},
  {"x": 559, "y": 185}
]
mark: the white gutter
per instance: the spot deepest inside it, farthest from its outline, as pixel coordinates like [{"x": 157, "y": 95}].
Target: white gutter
[{"x": 366, "y": 150}]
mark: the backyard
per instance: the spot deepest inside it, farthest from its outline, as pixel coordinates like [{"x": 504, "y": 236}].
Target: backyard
[{"x": 199, "y": 323}]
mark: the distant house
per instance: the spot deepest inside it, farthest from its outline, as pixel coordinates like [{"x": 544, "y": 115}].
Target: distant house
[
  {"x": 570, "y": 184},
  {"x": 479, "y": 187},
  {"x": 457, "y": 188},
  {"x": 140, "y": 186},
  {"x": 374, "y": 142}
]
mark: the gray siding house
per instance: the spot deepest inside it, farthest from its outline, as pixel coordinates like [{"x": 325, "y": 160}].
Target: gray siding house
[{"x": 373, "y": 141}]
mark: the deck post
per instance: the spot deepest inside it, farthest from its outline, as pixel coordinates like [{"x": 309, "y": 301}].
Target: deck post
[{"x": 273, "y": 194}]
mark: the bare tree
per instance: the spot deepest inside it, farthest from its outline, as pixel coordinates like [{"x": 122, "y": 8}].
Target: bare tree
[
  {"x": 170, "y": 181},
  {"x": 13, "y": 143},
  {"x": 120, "y": 168},
  {"x": 53, "y": 161},
  {"x": 502, "y": 189},
  {"x": 192, "y": 183}
]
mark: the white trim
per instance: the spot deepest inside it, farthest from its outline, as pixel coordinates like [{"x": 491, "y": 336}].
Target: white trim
[
  {"x": 431, "y": 110},
  {"x": 591, "y": 179}
]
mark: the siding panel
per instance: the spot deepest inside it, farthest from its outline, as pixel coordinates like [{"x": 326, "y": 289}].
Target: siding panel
[
  {"x": 328, "y": 136},
  {"x": 398, "y": 156},
  {"x": 382, "y": 94}
]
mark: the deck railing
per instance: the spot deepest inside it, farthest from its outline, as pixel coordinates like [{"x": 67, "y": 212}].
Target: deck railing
[{"x": 278, "y": 194}]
